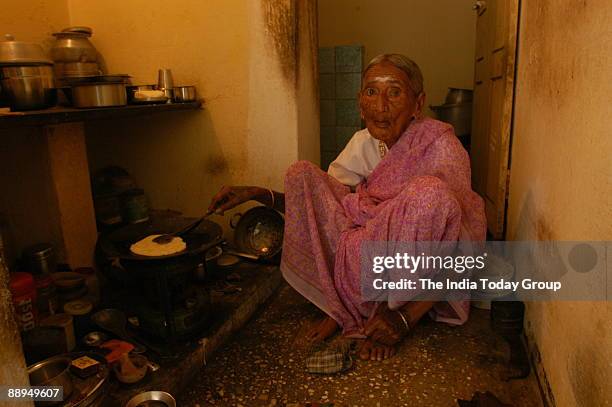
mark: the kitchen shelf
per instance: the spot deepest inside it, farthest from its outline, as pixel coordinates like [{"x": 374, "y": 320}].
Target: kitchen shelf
[{"x": 56, "y": 115}]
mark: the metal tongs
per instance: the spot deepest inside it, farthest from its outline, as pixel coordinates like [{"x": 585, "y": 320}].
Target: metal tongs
[{"x": 167, "y": 238}]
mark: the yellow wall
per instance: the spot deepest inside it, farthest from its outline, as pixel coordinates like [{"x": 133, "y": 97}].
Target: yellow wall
[
  {"x": 561, "y": 179},
  {"x": 246, "y": 133},
  {"x": 438, "y": 35},
  {"x": 179, "y": 158}
]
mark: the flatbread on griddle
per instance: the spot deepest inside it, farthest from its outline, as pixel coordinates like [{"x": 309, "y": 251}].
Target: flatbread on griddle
[{"x": 147, "y": 247}]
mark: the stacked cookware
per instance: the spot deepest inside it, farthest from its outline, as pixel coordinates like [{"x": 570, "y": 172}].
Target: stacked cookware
[
  {"x": 74, "y": 55},
  {"x": 26, "y": 76},
  {"x": 80, "y": 72}
]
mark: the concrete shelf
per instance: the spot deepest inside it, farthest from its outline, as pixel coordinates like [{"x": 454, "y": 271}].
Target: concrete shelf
[{"x": 57, "y": 115}]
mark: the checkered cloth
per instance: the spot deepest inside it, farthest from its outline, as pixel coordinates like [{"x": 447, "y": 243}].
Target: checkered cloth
[{"x": 329, "y": 359}]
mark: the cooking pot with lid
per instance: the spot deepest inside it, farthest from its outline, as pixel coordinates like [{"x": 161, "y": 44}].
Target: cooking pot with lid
[
  {"x": 72, "y": 45},
  {"x": 13, "y": 52},
  {"x": 28, "y": 87}
]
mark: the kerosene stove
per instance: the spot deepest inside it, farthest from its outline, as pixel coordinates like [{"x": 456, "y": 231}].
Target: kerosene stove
[{"x": 162, "y": 292}]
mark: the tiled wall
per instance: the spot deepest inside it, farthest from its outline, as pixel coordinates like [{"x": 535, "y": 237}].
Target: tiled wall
[{"x": 339, "y": 82}]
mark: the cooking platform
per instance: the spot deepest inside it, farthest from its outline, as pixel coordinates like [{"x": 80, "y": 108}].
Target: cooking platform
[{"x": 252, "y": 284}]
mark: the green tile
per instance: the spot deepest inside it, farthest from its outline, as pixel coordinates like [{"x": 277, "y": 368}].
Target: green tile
[
  {"x": 327, "y": 87},
  {"x": 344, "y": 134},
  {"x": 328, "y": 113},
  {"x": 347, "y": 85},
  {"x": 347, "y": 113},
  {"x": 327, "y": 60},
  {"x": 328, "y": 138},
  {"x": 349, "y": 58}
]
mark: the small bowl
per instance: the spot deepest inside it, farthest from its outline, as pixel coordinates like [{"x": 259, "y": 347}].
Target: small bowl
[
  {"x": 184, "y": 94},
  {"x": 143, "y": 399},
  {"x": 140, "y": 362},
  {"x": 52, "y": 372}
]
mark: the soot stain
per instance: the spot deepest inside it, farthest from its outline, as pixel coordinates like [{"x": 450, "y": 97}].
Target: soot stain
[
  {"x": 291, "y": 27},
  {"x": 217, "y": 165},
  {"x": 280, "y": 18}
]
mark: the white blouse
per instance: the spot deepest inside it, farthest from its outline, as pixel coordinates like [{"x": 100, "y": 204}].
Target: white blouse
[{"x": 358, "y": 159}]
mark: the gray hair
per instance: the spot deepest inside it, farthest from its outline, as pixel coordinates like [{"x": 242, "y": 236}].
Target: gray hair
[{"x": 415, "y": 77}]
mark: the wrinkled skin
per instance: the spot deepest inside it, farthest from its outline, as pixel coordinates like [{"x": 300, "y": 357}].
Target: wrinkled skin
[{"x": 387, "y": 102}]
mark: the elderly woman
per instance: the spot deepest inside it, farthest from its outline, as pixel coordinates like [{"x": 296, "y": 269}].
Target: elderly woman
[{"x": 403, "y": 178}]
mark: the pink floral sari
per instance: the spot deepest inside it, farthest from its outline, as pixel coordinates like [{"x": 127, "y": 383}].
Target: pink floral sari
[{"x": 420, "y": 191}]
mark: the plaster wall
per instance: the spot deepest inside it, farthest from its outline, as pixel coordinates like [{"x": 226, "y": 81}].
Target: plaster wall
[
  {"x": 180, "y": 159},
  {"x": 561, "y": 181},
  {"x": 241, "y": 56},
  {"x": 439, "y": 36}
]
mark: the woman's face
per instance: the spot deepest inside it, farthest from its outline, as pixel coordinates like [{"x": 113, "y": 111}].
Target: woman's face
[{"x": 387, "y": 102}]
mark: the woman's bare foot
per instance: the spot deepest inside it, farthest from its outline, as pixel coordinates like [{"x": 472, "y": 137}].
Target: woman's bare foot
[
  {"x": 322, "y": 330},
  {"x": 371, "y": 350}
]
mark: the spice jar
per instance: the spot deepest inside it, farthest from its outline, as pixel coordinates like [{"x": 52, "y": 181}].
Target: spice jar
[
  {"x": 65, "y": 322},
  {"x": 23, "y": 289},
  {"x": 46, "y": 296},
  {"x": 40, "y": 259}
]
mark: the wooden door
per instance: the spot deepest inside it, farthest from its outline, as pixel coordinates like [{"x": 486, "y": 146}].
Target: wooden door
[{"x": 496, "y": 36}]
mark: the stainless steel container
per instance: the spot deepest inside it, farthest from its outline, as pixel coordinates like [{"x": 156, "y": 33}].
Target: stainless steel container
[
  {"x": 28, "y": 87},
  {"x": 99, "y": 94},
  {"x": 165, "y": 82},
  {"x": 73, "y": 46},
  {"x": 459, "y": 115},
  {"x": 184, "y": 94},
  {"x": 19, "y": 52},
  {"x": 52, "y": 372},
  {"x": 152, "y": 398},
  {"x": 76, "y": 69},
  {"x": 456, "y": 96},
  {"x": 40, "y": 259}
]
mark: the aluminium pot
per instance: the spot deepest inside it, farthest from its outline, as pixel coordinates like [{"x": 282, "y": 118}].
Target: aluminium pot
[
  {"x": 54, "y": 371},
  {"x": 73, "y": 46},
  {"x": 457, "y": 95},
  {"x": 14, "y": 52},
  {"x": 98, "y": 94},
  {"x": 28, "y": 87},
  {"x": 458, "y": 115}
]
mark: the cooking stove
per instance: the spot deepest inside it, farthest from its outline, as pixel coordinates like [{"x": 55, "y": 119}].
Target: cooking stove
[{"x": 170, "y": 305}]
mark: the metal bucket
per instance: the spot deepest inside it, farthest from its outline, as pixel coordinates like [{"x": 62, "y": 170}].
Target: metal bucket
[{"x": 458, "y": 115}]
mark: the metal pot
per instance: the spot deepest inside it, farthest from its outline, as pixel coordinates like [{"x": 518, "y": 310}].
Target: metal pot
[
  {"x": 76, "y": 69},
  {"x": 184, "y": 94},
  {"x": 456, "y": 96},
  {"x": 73, "y": 46},
  {"x": 52, "y": 372},
  {"x": 21, "y": 53},
  {"x": 459, "y": 115},
  {"x": 28, "y": 87},
  {"x": 258, "y": 233},
  {"x": 99, "y": 94},
  {"x": 152, "y": 398}
]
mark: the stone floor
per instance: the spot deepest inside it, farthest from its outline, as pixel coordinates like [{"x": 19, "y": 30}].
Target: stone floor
[{"x": 264, "y": 365}]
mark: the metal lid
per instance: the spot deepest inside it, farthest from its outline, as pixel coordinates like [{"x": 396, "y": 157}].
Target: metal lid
[
  {"x": 79, "y": 29},
  {"x": 39, "y": 250},
  {"x": 14, "y": 52},
  {"x": 78, "y": 307}
]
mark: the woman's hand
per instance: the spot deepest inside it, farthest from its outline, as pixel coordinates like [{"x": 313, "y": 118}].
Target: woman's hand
[
  {"x": 229, "y": 197},
  {"x": 386, "y": 326}
]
